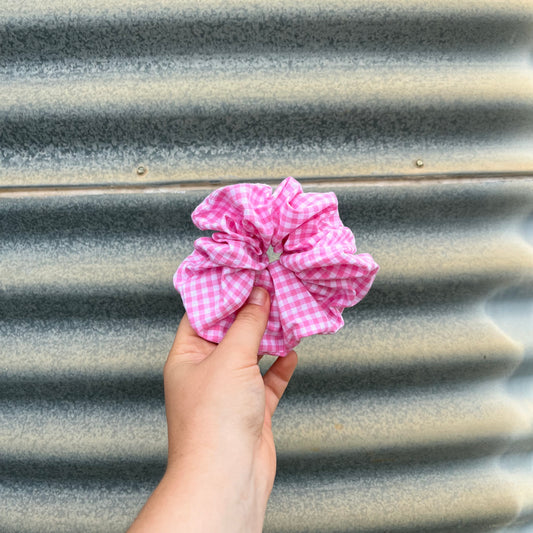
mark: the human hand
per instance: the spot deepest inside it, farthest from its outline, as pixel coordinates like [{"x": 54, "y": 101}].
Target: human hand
[{"x": 221, "y": 454}]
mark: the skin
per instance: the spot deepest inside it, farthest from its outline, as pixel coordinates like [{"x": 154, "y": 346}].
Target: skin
[{"x": 221, "y": 455}]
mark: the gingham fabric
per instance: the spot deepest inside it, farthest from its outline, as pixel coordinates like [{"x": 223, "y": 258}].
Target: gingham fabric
[{"x": 314, "y": 279}]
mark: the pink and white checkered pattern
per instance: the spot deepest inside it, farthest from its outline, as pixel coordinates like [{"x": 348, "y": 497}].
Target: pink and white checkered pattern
[{"x": 315, "y": 278}]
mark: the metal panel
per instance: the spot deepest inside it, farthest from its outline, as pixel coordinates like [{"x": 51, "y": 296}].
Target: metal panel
[
  {"x": 254, "y": 90},
  {"x": 115, "y": 118},
  {"x": 397, "y": 423}
]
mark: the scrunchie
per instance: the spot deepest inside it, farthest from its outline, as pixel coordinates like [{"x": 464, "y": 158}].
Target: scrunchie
[{"x": 316, "y": 276}]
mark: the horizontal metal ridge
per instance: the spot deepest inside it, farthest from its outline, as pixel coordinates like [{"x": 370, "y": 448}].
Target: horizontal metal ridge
[
  {"x": 478, "y": 497},
  {"x": 468, "y": 498},
  {"x": 397, "y": 350},
  {"x": 196, "y": 94},
  {"x": 363, "y": 424}
]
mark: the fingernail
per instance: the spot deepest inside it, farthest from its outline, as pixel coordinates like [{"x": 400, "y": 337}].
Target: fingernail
[{"x": 258, "y": 296}]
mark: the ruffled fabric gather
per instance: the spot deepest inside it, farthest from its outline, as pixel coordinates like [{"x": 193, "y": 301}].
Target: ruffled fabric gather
[{"x": 317, "y": 275}]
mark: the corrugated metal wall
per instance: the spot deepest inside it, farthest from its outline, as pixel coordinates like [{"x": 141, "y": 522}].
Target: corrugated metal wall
[{"x": 117, "y": 117}]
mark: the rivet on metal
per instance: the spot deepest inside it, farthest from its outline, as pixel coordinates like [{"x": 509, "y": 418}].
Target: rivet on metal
[
  {"x": 419, "y": 163},
  {"x": 141, "y": 171}
]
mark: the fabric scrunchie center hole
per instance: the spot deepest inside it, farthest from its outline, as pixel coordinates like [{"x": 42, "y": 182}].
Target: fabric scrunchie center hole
[{"x": 272, "y": 256}]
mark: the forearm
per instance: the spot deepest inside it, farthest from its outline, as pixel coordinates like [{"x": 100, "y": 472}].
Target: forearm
[{"x": 204, "y": 499}]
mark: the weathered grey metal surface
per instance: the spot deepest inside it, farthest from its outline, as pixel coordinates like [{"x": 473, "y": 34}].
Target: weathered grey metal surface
[
  {"x": 418, "y": 415},
  {"x": 397, "y": 423},
  {"x": 217, "y": 89}
]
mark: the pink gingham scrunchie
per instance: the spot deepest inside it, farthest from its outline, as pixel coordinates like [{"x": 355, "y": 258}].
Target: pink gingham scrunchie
[{"x": 316, "y": 276}]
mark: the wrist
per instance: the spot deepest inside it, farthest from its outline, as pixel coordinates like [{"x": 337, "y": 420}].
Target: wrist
[{"x": 213, "y": 493}]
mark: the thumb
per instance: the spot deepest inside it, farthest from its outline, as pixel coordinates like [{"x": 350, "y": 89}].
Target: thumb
[{"x": 243, "y": 338}]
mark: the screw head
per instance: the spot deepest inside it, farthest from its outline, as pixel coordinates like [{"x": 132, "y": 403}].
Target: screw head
[
  {"x": 141, "y": 170},
  {"x": 419, "y": 163}
]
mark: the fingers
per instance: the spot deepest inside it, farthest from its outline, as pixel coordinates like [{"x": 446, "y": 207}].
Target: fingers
[
  {"x": 277, "y": 378},
  {"x": 188, "y": 343},
  {"x": 185, "y": 330},
  {"x": 242, "y": 340}
]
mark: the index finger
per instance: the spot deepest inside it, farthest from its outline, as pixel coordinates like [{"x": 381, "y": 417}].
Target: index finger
[{"x": 187, "y": 342}]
